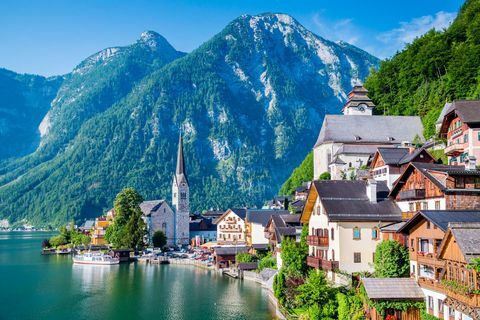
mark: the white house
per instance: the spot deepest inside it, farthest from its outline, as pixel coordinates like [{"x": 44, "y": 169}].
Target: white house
[
  {"x": 344, "y": 219},
  {"x": 346, "y": 142},
  {"x": 255, "y": 223},
  {"x": 231, "y": 227}
]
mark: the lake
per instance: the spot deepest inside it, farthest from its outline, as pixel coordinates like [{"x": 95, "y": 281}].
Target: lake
[{"x": 33, "y": 286}]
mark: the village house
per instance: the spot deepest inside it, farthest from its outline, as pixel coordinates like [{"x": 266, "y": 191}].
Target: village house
[
  {"x": 426, "y": 231},
  {"x": 280, "y": 227},
  {"x": 392, "y": 289},
  {"x": 428, "y": 186},
  {"x": 231, "y": 227},
  {"x": 459, "y": 123},
  {"x": 97, "y": 233},
  {"x": 388, "y": 163},
  {"x": 346, "y": 142},
  {"x": 225, "y": 256},
  {"x": 344, "y": 219},
  {"x": 255, "y": 223},
  {"x": 278, "y": 202},
  {"x": 202, "y": 230}
]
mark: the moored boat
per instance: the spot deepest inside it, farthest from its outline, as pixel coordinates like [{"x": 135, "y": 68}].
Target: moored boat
[{"x": 95, "y": 258}]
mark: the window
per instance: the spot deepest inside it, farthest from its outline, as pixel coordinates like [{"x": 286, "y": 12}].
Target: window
[
  {"x": 183, "y": 195},
  {"x": 437, "y": 205},
  {"x": 477, "y": 183},
  {"x": 460, "y": 182},
  {"x": 413, "y": 269},
  {"x": 331, "y": 234},
  {"x": 430, "y": 303},
  {"x": 428, "y": 224},
  {"x": 425, "y": 205},
  {"x": 465, "y": 138},
  {"x": 374, "y": 233},
  {"x": 333, "y": 255},
  {"x": 164, "y": 226},
  {"x": 411, "y": 206},
  {"x": 423, "y": 245},
  {"x": 357, "y": 257},
  {"x": 356, "y": 233},
  {"x": 478, "y": 136},
  {"x": 440, "y": 307}
]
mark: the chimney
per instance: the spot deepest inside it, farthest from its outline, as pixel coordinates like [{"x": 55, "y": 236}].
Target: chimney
[
  {"x": 471, "y": 163},
  {"x": 372, "y": 190}
]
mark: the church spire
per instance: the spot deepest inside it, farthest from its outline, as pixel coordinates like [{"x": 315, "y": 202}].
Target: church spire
[{"x": 180, "y": 172}]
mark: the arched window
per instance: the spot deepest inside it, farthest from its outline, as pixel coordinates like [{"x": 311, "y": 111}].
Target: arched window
[
  {"x": 164, "y": 226},
  {"x": 331, "y": 234},
  {"x": 325, "y": 233},
  {"x": 183, "y": 195}
]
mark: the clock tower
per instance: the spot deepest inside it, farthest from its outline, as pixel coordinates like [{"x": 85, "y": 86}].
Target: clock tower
[
  {"x": 358, "y": 102},
  {"x": 181, "y": 199}
]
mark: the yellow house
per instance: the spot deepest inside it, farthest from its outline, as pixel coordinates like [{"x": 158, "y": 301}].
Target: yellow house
[{"x": 101, "y": 225}]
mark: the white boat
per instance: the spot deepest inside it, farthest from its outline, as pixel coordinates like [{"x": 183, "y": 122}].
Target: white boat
[{"x": 95, "y": 258}]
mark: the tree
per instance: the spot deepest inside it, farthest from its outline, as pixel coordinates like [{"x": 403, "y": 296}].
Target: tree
[
  {"x": 268, "y": 261},
  {"x": 301, "y": 174},
  {"x": 325, "y": 176},
  {"x": 391, "y": 260},
  {"x": 159, "y": 239},
  {"x": 294, "y": 255},
  {"x": 128, "y": 229},
  {"x": 243, "y": 257},
  {"x": 315, "y": 290}
]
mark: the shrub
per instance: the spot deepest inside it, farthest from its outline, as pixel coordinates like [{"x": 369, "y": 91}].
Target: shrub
[
  {"x": 267, "y": 261},
  {"x": 243, "y": 257},
  {"x": 159, "y": 239},
  {"x": 391, "y": 260}
]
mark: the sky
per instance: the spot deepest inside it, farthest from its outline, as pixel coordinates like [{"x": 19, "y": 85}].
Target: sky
[{"x": 51, "y": 37}]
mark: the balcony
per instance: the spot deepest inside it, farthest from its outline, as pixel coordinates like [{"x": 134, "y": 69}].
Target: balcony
[
  {"x": 412, "y": 194},
  {"x": 319, "y": 263},
  {"x": 430, "y": 259},
  {"x": 454, "y": 149},
  {"x": 317, "y": 241}
]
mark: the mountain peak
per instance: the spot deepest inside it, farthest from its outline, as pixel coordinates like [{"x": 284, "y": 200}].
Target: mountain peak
[{"x": 154, "y": 40}]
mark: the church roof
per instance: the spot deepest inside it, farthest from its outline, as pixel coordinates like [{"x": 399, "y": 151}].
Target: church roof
[
  {"x": 180, "y": 173},
  {"x": 364, "y": 129},
  {"x": 150, "y": 206}
]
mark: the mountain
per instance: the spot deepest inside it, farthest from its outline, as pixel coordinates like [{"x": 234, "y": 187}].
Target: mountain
[
  {"x": 437, "y": 67},
  {"x": 250, "y": 102},
  {"x": 24, "y": 101}
]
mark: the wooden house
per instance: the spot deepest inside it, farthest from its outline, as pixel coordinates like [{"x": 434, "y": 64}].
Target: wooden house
[
  {"x": 280, "y": 227},
  {"x": 392, "y": 289}
]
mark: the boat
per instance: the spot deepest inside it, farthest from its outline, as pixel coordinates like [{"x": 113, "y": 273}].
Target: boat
[
  {"x": 64, "y": 251},
  {"x": 95, "y": 258}
]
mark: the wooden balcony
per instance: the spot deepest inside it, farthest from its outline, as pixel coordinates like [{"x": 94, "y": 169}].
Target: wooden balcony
[
  {"x": 317, "y": 241},
  {"x": 413, "y": 194},
  {"x": 430, "y": 260},
  {"x": 472, "y": 299},
  {"x": 319, "y": 263},
  {"x": 454, "y": 149},
  {"x": 407, "y": 215},
  {"x": 429, "y": 283}
]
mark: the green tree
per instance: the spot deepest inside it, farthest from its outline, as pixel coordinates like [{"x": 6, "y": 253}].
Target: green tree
[
  {"x": 268, "y": 261},
  {"x": 315, "y": 290},
  {"x": 391, "y": 260},
  {"x": 244, "y": 257},
  {"x": 300, "y": 175},
  {"x": 294, "y": 255},
  {"x": 159, "y": 239},
  {"x": 325, "y": 176},
  {"x": 128, "y": 229}
]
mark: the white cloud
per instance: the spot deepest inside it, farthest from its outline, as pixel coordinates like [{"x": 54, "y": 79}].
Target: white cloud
[
  {"x": 397, "y": 38},
  {"x": 343, "y": 29}
]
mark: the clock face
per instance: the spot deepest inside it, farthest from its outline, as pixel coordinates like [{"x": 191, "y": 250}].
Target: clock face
[{"x": 361, "y": 107}]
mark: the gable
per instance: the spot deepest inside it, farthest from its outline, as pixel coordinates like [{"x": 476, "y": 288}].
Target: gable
[
  {"x": 309, "y": 204},
  {"x": 412, "y": 178},
  {"x": 449, "y": 249}
]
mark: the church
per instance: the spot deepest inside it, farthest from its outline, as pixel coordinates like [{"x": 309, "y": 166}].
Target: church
[{"x": 174, "y": 220}]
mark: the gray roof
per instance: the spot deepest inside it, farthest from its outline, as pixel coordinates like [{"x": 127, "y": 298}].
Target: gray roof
[
  {"x": 392, "y": 227},
  {"x": 441, "y": 218},
  {"x": 467, "y": 110},
  {"x": 262, "y": 216},
  {"x": 369, "y": 129},
  {"x": 229, "y": 250},
  {"x": 89, "y": 224},
  {"x": 180, "y": 173},
  {"x": 392, "y": 289},
  {"x": 357, "y": 149},
  {"x": 150, "y": 206},
  {"x": 347, "y": 200},
  {"x": 399, "y": 156},
  {"x": 467, "y": 236},
  {"x": 445, "y": 110}
]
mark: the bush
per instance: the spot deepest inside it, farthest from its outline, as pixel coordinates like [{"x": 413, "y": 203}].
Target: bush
[
  {"x": 315, "y": 290},
  {"x": 391, "y": 260},
  {"x": 159, "y": 239},
  {"x": 267, "y": 261},
  {"x": 58, "y": 240},
  {"x": 325, "y": 176},
  {"x": 46, "y": 243},
  {"x": 243, "y": 257},
  {"x": 350, "y": 306}
]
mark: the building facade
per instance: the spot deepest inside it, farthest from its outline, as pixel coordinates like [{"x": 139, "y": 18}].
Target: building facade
[
  {"x": 460, "y": 125},
  {"x": 159, "y": 216},
  {"x": 231, "y": 227},
  {"x": 346, "y": 142}
]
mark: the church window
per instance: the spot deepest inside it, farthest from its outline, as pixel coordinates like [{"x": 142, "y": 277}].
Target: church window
[
  {"x": 164, "y": 226},
  {"x": 183, "y": 195}
]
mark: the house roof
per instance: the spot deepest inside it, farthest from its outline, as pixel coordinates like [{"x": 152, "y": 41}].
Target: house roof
[
  {"x": 400, "y": 156},
  {"x": 262, "y": 216},
  {"x": 467, "y": 110},
  {"x": 229, "y": 250},
  {"x": 240, "y": 212},
  {"x": 392, "y": 227},
  {"x": 202, "y": 224},
  {"x": 281, "y": 232},
  {"x": 150, "y": 206},
  {"x": 369, "y": 129},
  {"x": 441, "y": 218},
  {"x": 467, "y": 236},
  {"x": 347, "y": 200},
  {"x": 392, "y": 289}
]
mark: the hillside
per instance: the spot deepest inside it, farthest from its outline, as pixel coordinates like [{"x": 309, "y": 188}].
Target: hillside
[
  {"x": 436, "y": 67},
  {"x": 244, "y": 99}
]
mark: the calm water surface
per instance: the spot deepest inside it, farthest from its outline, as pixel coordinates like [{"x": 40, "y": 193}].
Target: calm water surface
[{"x": 33, "y": 286}]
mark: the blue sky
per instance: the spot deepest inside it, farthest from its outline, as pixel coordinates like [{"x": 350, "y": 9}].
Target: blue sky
[{"x": 51, "y": 37}]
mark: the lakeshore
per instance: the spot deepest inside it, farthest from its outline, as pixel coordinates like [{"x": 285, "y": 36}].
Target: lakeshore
[{"x": 50, "y": 287}]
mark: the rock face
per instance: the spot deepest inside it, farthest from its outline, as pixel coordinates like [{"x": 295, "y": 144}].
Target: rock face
[{"x": 249, "y": 101}]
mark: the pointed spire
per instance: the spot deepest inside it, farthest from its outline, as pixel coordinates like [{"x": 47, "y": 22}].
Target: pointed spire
[{"x": 180, "y": 172}]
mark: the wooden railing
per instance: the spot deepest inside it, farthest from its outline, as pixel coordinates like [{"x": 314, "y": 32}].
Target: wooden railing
[
  {"x": 412, "y": 194},
  {"x": 319, "y": 263},
  {"x": 430, "y": 259},
  {"x": 317, "y": 241},
  {"x": 455, "y": 148}
]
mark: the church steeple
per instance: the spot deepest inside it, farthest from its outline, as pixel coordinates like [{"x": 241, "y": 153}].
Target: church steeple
[
  {"x": 180, "y": 173},
  {"x": 358, "y": 102}
]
